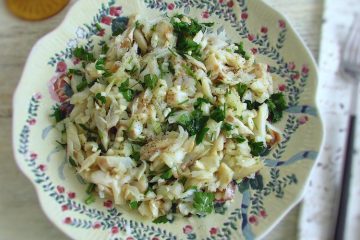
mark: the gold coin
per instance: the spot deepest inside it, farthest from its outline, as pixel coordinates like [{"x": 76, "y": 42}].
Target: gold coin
[{"x": 35, "y": 9}]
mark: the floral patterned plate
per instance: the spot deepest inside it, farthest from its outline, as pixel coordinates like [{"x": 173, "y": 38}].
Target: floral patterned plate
[{"x": 260, "y": 202}]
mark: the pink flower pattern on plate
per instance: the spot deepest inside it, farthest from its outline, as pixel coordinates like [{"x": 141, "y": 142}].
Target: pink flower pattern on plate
[
  {"x": 115, "y": 11},
  {"x": 205, "y": 14},
  {"x": 171, "y": 6},
  {"x": 61, "y": 67},
  {"x": 187, "y": 229},
  {"x": 213, "y": 231},
  {"x": 106, "y": 20}
]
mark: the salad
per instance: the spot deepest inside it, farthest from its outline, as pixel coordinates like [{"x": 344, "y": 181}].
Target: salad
[{"x": 166, "y": 116}]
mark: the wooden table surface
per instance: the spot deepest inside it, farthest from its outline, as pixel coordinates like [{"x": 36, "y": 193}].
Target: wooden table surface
[{"x": 20, "y": 213}]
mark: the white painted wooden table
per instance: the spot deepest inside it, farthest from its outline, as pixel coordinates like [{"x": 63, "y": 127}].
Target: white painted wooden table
[{"x": 20, "y": 213}]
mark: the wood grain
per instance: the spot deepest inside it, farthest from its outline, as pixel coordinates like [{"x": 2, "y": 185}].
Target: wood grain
[{"x": 20, "y": 214}]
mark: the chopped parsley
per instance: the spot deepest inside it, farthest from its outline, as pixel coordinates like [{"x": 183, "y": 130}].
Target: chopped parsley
[
  {"x": 161, "y": 219},
  {"x": 127, "y": 93},
  {"x": 241, "y": 89},
  {"x": 194, "y": 122},
  {"x": 257, "y": 148},
  {"x": 134, "y": 204},
  {"x": 239, "y": 139},
  {"x": 104, "y": 48},
  {"x": 100, "y": 65},
  {"x": 186, "y": 31},
  {"x": 57, "y": 113},
  {"x": 252, "y": 105},
  {"x": 101, "y": 98},
  {"x": 241, "y": 51},
  {"x": 150, "y": 80},
  {"x": 188, "y": 46},
  {"x": 77, "y": 72},
  {"x": 218, "y": 114},
  {"x": 200, "y": 101},
  {"x": 204, "y": 202},
  {"x": 83, "y": 54},
  {"x": 201, "y": 135},
  {"x": 276, "y": 104},
  {"x": 227, "y": 126},
  {"x": 135, "y": 155},
  {"x": 167, "y": 174},
  {"x": 82, "y": 85}
]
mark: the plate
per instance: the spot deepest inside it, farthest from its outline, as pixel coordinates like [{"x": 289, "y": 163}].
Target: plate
[{"x": 260, "y": 202}]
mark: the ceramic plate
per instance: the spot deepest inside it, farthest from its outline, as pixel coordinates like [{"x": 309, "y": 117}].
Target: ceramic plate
[{"x": 259, "y": 204}]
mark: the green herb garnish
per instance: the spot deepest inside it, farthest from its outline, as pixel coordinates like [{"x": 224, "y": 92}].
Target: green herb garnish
[
  {"x": 101, "y": 98},
  {"x": 167, "y": 174},
  {"x": 227, "y": 126},
  {"x": 104, "y": 48},
  {"x": 57, "y": 113},
  {"x": 218, "y": 114},
  {"x": 82, "y": 85},
  {"x": 134, "y": 204},
  {"x": 135, "y": 155},
  {"x": 204, "y": 202},
  {"x": 241, "y": 89},
  {"x": 77, "y": 72},
  {"x": 257, "y": 148},
  {"x": 241, "y": 51},
  {"x": 239, "y": 139},
  {"x": 276, "y": 104},
  {"x": 100, "y": 65},
  {"x": 185, "y": 32},
  {"x": 150, "y": 80},
  {"x": 161, "y": 219},
  {"x": 83, "y": 54},
  {"x": 252, "y": 105},
  {"x": 194, "y": 122},
  {"x": 127, "y": 93},
  {"x": 200, "y": 101},
  {"x": 201, "y": 135}
]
